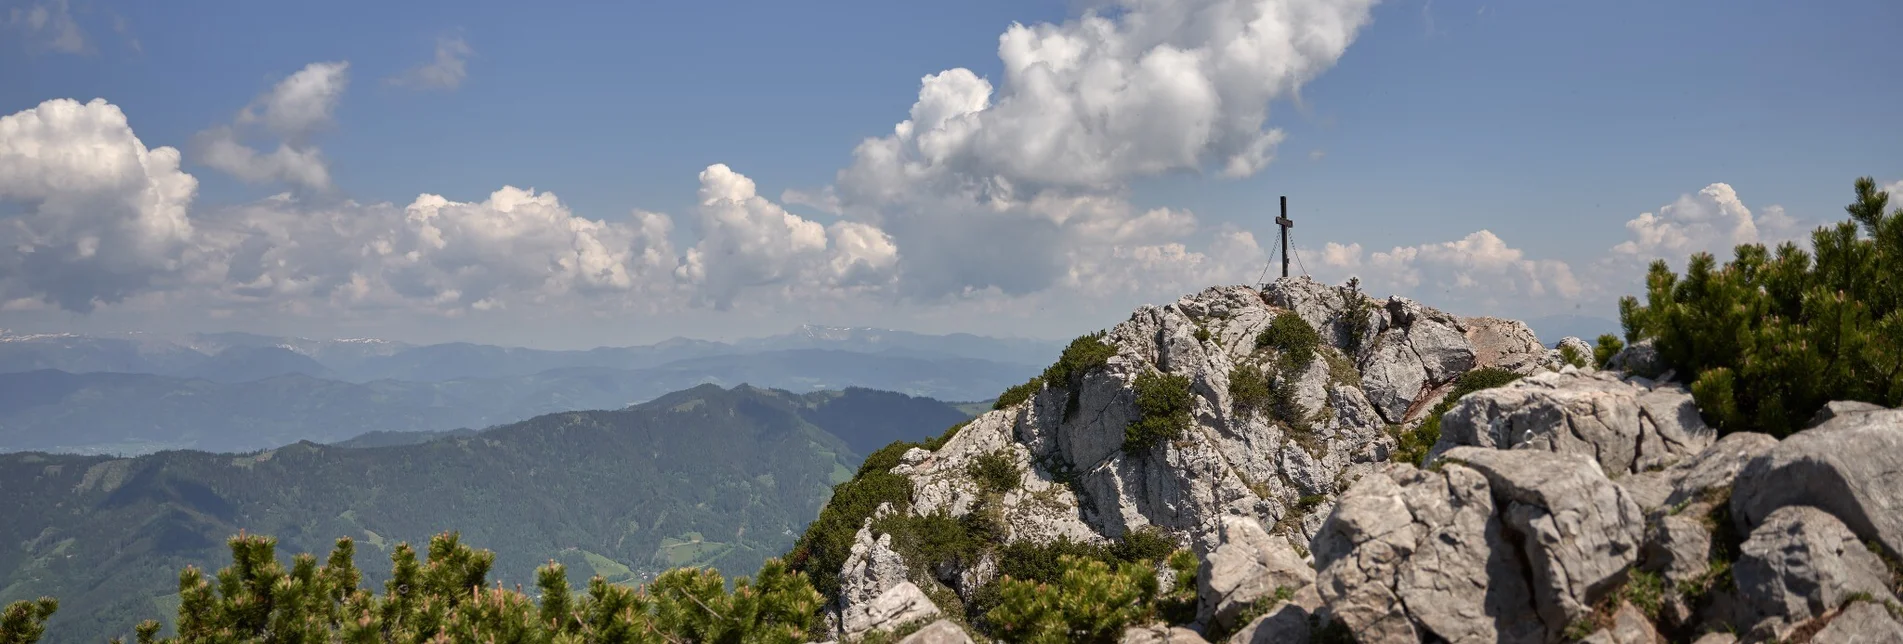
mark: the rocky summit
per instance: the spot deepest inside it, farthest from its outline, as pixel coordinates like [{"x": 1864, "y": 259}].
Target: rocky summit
[{"x": 1569, "y": 504}]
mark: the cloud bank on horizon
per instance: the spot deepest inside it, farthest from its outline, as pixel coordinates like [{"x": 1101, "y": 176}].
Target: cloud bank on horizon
[{"x": 992, "y": 193}]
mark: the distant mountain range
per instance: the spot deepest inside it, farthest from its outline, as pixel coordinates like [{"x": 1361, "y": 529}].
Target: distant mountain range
[
  {"x": 122, "y": 413},
  {"x": 705, "y": 477},
  {"x": 241, "y": 357},
  {"x": 138, "y": 393},
  {"x": 1552, "y": 328}
]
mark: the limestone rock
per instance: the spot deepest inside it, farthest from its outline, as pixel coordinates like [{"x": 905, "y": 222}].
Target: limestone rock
[
  {"x": 1160, "y": 634},
  {"x": 1286, "y": 622},
  {"x": 1392, "y": 375},
  {"x": 1678, "y": 547},
  {"x": 1250, "y": 564},
  {"x": 1801, "y": 562},
  {"x": 1639, "y": 358},
  {"x": 1409, "y": 552},
  {"x": 1716, "y": 638},
  {"x": 940, "y": 632},
  {"x": 1627, "y": 426},
  {"x": 899, "y": 605},
  {"x": 1504, "y": 344},
  {"x": 1851, "y": 466},
  {"x": 1629, "y": 626},
  {"x": 871, "y": 569},
  {"x": 1578, "y": 530},
  {"x": 1861, "y": 623},
  {"x": 1579, "y": 347}
]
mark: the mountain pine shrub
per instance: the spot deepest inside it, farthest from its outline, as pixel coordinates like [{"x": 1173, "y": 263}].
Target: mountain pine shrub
[
  {"x": 1609, "y": 345},
  {"x": 1163, "y": 402},
  {"x": 1084, "y": 354},
  {"x": 1018, "y": 393},
  {"x": 446, "y": 597},
  {"x": 1769, "y": 337},
  {"x": 1292, "y": 338}
]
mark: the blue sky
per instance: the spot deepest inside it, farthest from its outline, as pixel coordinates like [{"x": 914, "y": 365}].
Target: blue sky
[{"x": 1548, "y": 125}]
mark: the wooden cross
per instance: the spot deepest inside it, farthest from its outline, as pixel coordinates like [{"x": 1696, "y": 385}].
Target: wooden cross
[{"x": 1286, "y": 224}]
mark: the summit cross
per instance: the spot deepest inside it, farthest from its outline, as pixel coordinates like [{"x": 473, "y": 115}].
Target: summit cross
[{"x": 1286, "y": 224}]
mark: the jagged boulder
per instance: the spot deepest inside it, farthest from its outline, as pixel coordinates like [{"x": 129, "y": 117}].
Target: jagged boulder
[
  {"x": 1505, "y": 344},
  {"x": 1250, "y": 564},
  {"x": 1801, "y": 562},
  {"x": 872, "y": 568},
  {"x": 897, "y": 606},
  {"x": 1411, "y": 552},
  {"x": 1862, "y": 622},
  {"x": 1627, "y": 425},
  {"x": 1290, "y": 621},
  {"x": 1578, "y": 531},
  {"x": 1850, "y": 465},
  {"x": 1639, "y": 358}
]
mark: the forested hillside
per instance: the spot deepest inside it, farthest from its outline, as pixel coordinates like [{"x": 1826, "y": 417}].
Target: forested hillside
[{"x": 704, "y": 477}]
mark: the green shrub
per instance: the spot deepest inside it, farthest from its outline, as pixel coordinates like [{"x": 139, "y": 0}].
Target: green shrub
[
  {"x": 1041, "y": 562},
  {"x": 1609, "y": 345},
  {"x": 1293, "y": 340},
  {"x": 1248, "y": 390},
  {"x": 1091, "y": 602},
  {"x": 1163, "y": 402},
  {"x": 1080, "y": 357},
  {"x": 1148, "y": 543},
  {"x": 995, "y": 472},
  {"x": 1018, "y": 393},
  {"x": 1415, "y": 444},
  {"x": 1768, "y": 338},
  {"x": 1572, "y": 356},
  {"x": 822, "y": 549},
  {"x": 1202, "y": 334},
  {"x": 446, "y": 598},
  {"x": 1354, "y": 319},
  {"x": 938, "y": 538},
  {"x": 23, "y": 622}
]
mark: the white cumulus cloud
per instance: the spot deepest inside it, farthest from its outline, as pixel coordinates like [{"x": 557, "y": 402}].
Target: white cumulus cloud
[
  {"x": 1477, "y": 272},
  {"x": 293, "y": 110},
  {"x": 104, "y": 217},
  {"x": 1714, "y": 220},
  {"x": 747, "y": 241},
  {"x": 446, "y": 71}
]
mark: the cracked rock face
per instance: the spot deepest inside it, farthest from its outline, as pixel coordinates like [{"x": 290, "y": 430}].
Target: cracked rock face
[
  {"x": 1507, "y": 546},
  {"x": 1250, "y": 564},
  {"x": 1851, "y": 466},
  {"x": 1801, "y": 562},
  {"x": 1079, "y": 483},
  {"x": 1626, "y": 425}
]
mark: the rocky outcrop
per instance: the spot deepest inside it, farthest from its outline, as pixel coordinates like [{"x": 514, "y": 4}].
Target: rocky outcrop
[
  {"x": 1850, "y": 465},
  {"x": 1506, "y": 344},
  {"x": 1542, "y": 500},
  {"x": 1248, "y": 565},
  {"x": 1577, "y": 530},
  {"x": 1801, "y": 562},
  {"x": 1640, "y": 359},
  {"x": 1627, "y": 425},
  {"x": 1578, "y": 347}
]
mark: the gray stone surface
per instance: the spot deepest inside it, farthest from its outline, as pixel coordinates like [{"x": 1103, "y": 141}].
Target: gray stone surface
[
  {"x": 1851, "y": 466},
  {"x": 1861, "y": 623},
  {"x": 1160, "y": 634},
  {"x": 1627, "y": 426},
  {"x": 943, "y": 631},
  {"x": 1250, "y": 564},
  {"x": 1578, "y": 531},
  {"x": 1411, "y": 552},
  {"x": 1802, "y": 562}
]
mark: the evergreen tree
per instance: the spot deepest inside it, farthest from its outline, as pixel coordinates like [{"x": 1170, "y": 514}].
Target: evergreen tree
[{"x": 1768, "y": 338}]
